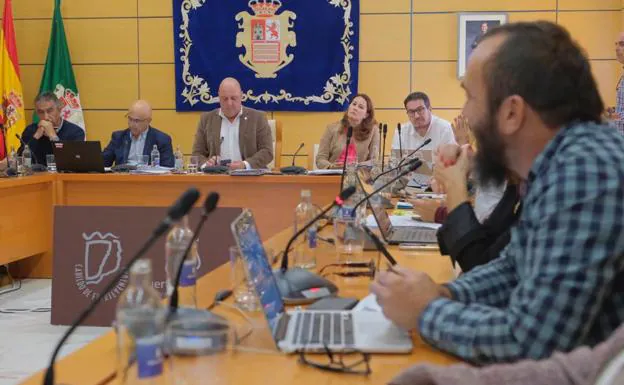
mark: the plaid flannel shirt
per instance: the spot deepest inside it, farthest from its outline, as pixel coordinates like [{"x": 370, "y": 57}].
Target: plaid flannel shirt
[{"x": 560, "y": 281}]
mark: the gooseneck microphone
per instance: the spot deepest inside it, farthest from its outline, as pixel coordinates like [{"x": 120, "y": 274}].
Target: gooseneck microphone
[
  {"x": 393, "y": 169},
  {"x": 179, "y": 209},
  {"x": 426, "y": 142},
  {"x": 380, "y": 134},
  {"x": 415, "y": 164},
  {"x": 292, "y": 169},
  {"x": 299, "y": 285},
  {"x": 383, "y": 154},
  {"x": 380, "y": 246},
  {"x": 210, "y": 204},
  {"x": 400, "y": 141},
  {"x": 346, "y": 158}
]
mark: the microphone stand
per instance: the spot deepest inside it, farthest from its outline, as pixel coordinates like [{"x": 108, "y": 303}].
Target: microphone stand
[
  {"x": 292, "y": 169},
  {"x": 380, "y": 246},
  {"x": 400, "y": 141},
  {"x": 177, "y": 211},
  {"x": 380, "y": 134},
  {"x": 426, "y": 142},
  {"x": 297, "y": 285},
  {"x": 346, "y": 158},
  {"x": 383, "y": 154},
  {"x": 413, "y": 166}
]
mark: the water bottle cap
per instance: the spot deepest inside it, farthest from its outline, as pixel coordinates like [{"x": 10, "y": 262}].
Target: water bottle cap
[{"x": 306, "y": 193}]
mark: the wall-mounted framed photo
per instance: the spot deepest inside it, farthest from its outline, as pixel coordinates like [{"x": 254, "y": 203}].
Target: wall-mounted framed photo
[{"x": 472, "y": 26}]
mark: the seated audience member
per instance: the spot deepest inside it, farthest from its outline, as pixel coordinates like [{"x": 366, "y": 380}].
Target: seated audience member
[
  {"x": 532, "y": 103},
  {"x": 365, "y": 140},
  {"x": 233, "y": 134},
  {"x": 467, "y": 239},
  {"x": 126, "y": 146},
  {"x": 422, "y": 125},
  {"x": 51, "y": 128}
]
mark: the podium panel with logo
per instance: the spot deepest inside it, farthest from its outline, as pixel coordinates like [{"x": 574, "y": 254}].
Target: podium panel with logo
[{"x": 92, "y": 244}]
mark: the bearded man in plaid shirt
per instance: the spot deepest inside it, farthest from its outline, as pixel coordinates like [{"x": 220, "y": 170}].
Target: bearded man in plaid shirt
[{"x": 534, "y": 108}]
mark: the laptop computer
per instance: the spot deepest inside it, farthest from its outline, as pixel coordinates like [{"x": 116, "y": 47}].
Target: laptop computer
[
  {"x": 394, "y": 235},
  {"x": 312, "y": 330},
  {"x": 76, "y": 156}
]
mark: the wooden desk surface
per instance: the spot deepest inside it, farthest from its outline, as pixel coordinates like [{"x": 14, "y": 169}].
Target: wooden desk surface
[
  {"x": 95, "y": 364},
  {"x": 272, "y": 198},
  {"x": 25, "y": 217}
]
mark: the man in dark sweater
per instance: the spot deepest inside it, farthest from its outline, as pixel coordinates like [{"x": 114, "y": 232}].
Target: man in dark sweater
[{"x": 51, "y": 128}]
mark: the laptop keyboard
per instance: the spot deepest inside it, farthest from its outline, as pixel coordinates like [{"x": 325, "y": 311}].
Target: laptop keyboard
[
  {"x": 331, "y": 328},
  {"x": 416, "y": 234}
]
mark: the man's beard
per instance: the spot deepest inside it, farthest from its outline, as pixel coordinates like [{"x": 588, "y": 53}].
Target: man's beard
[{"x": 490, "y": 163}]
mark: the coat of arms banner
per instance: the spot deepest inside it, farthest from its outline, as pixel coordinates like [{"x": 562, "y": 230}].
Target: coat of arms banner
[{"x": 289, "y": 55}]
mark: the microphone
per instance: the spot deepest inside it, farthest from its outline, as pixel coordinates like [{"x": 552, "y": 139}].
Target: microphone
[
  {"x": 299, "y": 285},
  {"x": 412, "y": 167},
  {"x": 179, "y": 209},
  {"x": 383, "y": 154},
  {"x": 393, "y": 169},
  {"x": 35, "y": 167},
  {"x": 346, "y": 158},
  {"x": 380, "y": 246},
  {"x": 426, "y": 142},
  {"x": 400, "y": 141},
  {"x": 210, "y": 204},
  {"x": 292, "y": 169},
  {"x": 380, "y": 134}
]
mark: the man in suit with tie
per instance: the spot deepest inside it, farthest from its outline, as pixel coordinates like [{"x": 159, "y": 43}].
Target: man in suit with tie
[
  {"x": 233, "y": 134},
  {"x": 126, "y": 146}
]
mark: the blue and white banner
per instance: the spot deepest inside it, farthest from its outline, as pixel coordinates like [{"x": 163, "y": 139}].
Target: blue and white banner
[{"x": 289, "y": 55}]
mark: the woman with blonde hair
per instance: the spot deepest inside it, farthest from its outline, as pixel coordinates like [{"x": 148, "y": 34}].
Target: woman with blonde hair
[{"x": 365, "y": 141}]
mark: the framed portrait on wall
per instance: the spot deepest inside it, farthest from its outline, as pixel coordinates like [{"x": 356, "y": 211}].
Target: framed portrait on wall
[{"x": 472, "y": 26}]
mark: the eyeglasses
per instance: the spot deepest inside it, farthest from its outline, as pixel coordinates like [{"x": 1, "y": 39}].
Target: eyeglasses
[
  {"x": 369, "y": 269},
  {"x": 347, "y": 361},
  {"x": 619, "y": 44},
  {"x": 420, "y": 110},
  {"x": 135, "y": 120}
]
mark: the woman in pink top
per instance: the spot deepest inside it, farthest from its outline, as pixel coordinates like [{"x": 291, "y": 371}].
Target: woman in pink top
[{"x": 365, "y": 141}]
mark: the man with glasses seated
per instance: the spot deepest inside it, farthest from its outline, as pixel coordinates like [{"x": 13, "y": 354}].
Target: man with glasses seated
[
  {"x": 130, "y": 145},
  {"x": 422, "y": 125}
]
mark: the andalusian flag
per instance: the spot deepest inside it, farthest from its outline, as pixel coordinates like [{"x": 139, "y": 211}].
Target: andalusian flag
[
  {"x": 12, "y": 112},
  {"x": 58, "y": 75}
]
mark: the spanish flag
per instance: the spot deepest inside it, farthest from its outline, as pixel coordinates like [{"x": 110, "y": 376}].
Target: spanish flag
[{"x": 12, "y": 115}]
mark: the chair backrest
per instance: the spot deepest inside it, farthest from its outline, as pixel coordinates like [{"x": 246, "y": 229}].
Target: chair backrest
[
  {"x": 276, "y": 134},
  {"x": 312, "y": 159}
]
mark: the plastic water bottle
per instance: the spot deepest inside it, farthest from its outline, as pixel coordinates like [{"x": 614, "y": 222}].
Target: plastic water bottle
[
  {"x": 177, "y": 240},
  {"x": 26, "y": 161},
  {"x": 179, "y": 159},
  {"x": 140, "y": 326},
  {"x": 305, "y": 249},
  {"x": 155, "y": 157},
  {"x": 12, "y": 162}
]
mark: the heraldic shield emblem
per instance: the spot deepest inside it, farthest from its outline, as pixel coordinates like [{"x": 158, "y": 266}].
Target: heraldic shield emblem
[
  {"x": 103, "y": 254},
  {"x": 265, "y": 37}
]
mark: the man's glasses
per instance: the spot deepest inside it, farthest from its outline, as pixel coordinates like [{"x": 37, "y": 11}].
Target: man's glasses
[
  {"x": 135, "y": 120},
  {"x": 420, "y": 110},
  {"x": 619, "y": 44},
  {"x": 347, "y": 361}
]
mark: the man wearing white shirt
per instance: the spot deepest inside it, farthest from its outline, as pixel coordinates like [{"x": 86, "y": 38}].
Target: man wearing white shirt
[
  {"x": 422, "y": 125},
  {"x": 233, "y": 133}
]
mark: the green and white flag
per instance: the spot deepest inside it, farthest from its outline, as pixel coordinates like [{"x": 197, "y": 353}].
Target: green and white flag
[{"x": 58, "y": 75}]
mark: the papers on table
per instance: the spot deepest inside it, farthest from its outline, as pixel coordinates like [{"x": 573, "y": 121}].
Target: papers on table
[
  {"x": 149, "y": 170},
  {"x": 325, "y": 172},
  {"x": 368, "y": 303},
  {"x": 403, "y": 221}
]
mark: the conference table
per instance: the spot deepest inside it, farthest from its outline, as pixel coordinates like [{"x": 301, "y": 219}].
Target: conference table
[
  {"x": 272, "y": 199},
  {"x": 27, "y": 204}
]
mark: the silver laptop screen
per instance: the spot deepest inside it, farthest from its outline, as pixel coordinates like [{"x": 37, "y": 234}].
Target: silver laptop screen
[
  {"x": 381, "y": 216},
  {"x": 260, "y": 273}
]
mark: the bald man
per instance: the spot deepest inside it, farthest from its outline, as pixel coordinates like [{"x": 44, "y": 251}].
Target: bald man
[
  {"x": 139, "y": 138},
  {"x": 232, "y": 134}
]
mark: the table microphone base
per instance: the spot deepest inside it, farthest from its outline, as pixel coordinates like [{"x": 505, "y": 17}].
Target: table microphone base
[
  {"x": 299, "y": 286},
  {"x": 293, "y": 170},
  {"x": 196, "y": 332}
]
